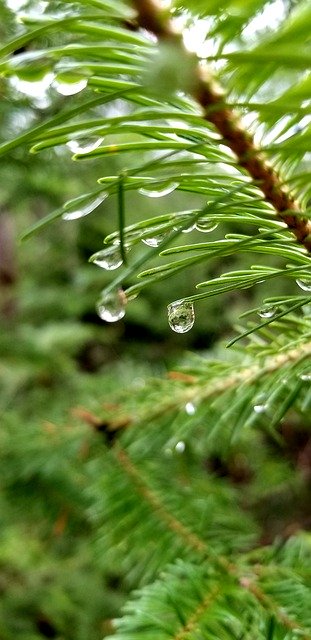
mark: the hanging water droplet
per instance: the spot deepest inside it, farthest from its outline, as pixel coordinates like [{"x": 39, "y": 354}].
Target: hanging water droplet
[
  {"x": 159, "y": 191},
  {"x": 156, "y": 240},
  {"x": 306, "y": 377},
  {"x": 190, "y": 408},
  {"x": 267, "y": 311},
  {"x": 304, "y": 284},
  {"x": 69, "y": 88},
  {"x": 84, "y": 145},
  {"x": 180, "y": 446},
  {"x": 111, "y": 306},
  {"x": 181, "y": 316},
  {"x": 80, "y": 207},
  {"x": 108, "y": 259},
  {"x": 206, "y": 225}
]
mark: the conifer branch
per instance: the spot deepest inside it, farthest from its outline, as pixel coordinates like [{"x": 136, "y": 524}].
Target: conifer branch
[
  {"x": 266, "y": 601},
  {"x": 192, "y": 623},
  {"x": 191, "y": 539},
  {"x": 198, "y": 545},
  {"x": 199, "y": 391},
  {"x": 210, "y": 96}
]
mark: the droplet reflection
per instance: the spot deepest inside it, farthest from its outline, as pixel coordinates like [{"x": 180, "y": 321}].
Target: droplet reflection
[
  {"x": 267, "y": 311},
  {"x": 159, "y": 191},
  {"x": 111, "y": 306},
  {"x": 181, "y": 316},
  {"x": 84, "y": 145},
  {"x": 80, "y": 207},
  {"x": 108, "y": 259},
  {"x": 206, "y": 225},
  {"x": 304, "y": 284}
]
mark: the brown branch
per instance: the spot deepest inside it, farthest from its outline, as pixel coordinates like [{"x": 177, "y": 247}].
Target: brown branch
[{"x": 151, "y": 17}]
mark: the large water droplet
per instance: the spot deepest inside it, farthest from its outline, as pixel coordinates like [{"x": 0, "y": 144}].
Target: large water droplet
[
  {"x": 304, "y": 283},
  {"x": 159, "y": 191},
  {"x": 111, "y": 306},
  {"x": 108, "y": 259},
  {"x": 190, "y": 408},
  {"x": 267, "y": 311},
  {"x": 80, "y": 207},
  {"x": 156, "y": 240},
  {"x": 84, "y": 145},
  {"x": 206, "y": 225},
  {"x": 181, "y": 316},
  {"x": 69, "y": 88}
]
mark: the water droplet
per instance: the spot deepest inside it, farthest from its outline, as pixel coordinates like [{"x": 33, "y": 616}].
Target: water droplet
[
  {"x": 190, "y": 408},
  {"x": 206, "y": 225},
  {"x": 181, "y": 316},
  {"x": 80, "y": 207},
  {"x": 304, "y": 284},
  {"x": 156, "y": 240},
  {"x": 306, "y": 377},
  {"x": 260, "y": 408},
  {"x": 261, "y": 403},
  {"x": 84, "y": 145},
  {"x": 159, "y": 191},
  {"x": 69, "y": 88},
  {"x": 180, "y": 446},
  {"x": 189, "y": 229},
  {"x": 267, "y": 311},
  {"x": 108, "y": 259},
  {"x": 111, "y": 306}
]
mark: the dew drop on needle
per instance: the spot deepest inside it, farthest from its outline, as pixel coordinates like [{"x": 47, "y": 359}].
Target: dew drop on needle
[
  {"x": 81, "y": 207},
  {"x": 108, "y": 259},
  {"x": 111, "y": 306},
  {"x": 304, "y": 283},
  {"x": 206, "y": 225},
  {"x": 190, "y": 408},
  {"x": 306, "y": 376},
  {"x": 181, "y": 316},
  {"x": 69, "y": 88},
  {"x": 84, "y": 145},
  {"x": 155, "y": 240},
  {"x": 267, "y": 311},
  {"x": 158, "y": 191}
]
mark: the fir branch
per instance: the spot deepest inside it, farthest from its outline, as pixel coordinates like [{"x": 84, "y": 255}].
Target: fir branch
[
  {"x": 268, "y": 603},
  {"x": 211, "y": 98},
  {"x": 190, "y": 538},
  {"x": 202, "y": 390},
  {"x": 192, "y": 623}
]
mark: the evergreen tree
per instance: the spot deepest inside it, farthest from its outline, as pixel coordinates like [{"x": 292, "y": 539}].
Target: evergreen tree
[{"x": 203, "y": 497}]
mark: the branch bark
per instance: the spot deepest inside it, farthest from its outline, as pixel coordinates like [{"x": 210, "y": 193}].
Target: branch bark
[{"x": 150, "y": 16}]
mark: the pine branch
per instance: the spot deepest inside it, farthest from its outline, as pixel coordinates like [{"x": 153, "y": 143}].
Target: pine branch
[
  {"x": 188, "y": 537},
  {"x": 198, "y": 545},
  {"x": 211, "y": 98},
  {"x": 226, "y": 379}
]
